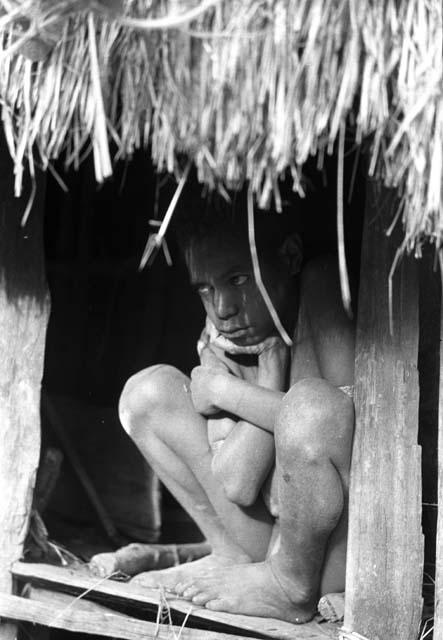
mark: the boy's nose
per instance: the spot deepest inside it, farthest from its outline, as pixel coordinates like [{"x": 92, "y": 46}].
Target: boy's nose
[{"x": 224, "y": 306}]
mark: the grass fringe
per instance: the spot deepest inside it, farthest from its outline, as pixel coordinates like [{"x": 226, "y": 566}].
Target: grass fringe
[{"x": 248, "y": 90}]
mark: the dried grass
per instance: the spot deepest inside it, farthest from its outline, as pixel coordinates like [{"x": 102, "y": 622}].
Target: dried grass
[
  {"x": 163, "y": 619},
  {"x": 427, "y": 630},
  {"x": 247, "y": 89}
]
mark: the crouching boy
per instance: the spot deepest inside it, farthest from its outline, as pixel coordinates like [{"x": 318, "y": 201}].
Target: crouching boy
[{"x": 256, "y": 444}]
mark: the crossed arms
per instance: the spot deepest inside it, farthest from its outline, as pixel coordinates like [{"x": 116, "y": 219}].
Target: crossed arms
[{"x": 246, "y": 453}]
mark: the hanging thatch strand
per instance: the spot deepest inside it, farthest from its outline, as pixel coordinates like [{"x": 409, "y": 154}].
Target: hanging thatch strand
[{"x": 248, "y": 89}]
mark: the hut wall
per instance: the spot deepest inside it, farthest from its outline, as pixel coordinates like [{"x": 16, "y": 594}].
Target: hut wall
[
  {"x": 385, "y": 552},
  {"x": 429, "y": 371},
  {"x": 438, "y": 617},
  {"x": 24, "y": 310}
]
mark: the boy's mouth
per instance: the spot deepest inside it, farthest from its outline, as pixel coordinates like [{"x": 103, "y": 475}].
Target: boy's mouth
[{"x": 234, "y": 333}]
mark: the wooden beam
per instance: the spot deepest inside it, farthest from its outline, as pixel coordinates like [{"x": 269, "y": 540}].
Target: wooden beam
[
  {"x": 385, "y": 549},
  {"x": 438, "y": 614},
  {"x": 24, "y": 311},
  {"x": 65, "y": 612},
  {"x": 143, "y": 602}
]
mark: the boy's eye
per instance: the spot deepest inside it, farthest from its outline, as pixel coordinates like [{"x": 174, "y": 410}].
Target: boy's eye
[{"x": 239, "y": 280}]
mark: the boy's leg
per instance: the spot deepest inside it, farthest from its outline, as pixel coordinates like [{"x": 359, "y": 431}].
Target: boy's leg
[
  {"x": 313, "y": 441},
  {"x": 313, "y": 437},
  {"x": 157, "y": 412}
]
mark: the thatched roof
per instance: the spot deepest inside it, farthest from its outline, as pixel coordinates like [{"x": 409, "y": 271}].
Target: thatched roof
[{"x": 247, "y": 89}]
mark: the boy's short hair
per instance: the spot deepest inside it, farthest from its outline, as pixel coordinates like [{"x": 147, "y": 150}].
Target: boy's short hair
[{"x": 199, "y": 219}]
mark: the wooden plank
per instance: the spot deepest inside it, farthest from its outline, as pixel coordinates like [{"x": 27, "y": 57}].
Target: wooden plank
[
  {"x": 141, "y": 601},
  {"x": 76, "y": 616},
  {"x": 385, "y": 548},
  {"x": 438, "y": 613},
  {"x": 60, "y": 600},
  {"x": 429, "y": 374},
  {"x": 24, "y": 311}
]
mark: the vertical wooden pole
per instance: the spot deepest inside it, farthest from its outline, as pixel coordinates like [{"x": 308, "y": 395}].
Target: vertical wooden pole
[
  {"x": 385, "y": 550},
  {"x": 24, "y": 310},
  {"x": 438, "y": 614}
]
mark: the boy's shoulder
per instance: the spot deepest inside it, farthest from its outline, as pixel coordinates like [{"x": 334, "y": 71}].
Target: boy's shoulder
[
  {"x": 331, "y": 331},
  {"x": 320, "y": 284},
  {"x": 320, "y": 294}
]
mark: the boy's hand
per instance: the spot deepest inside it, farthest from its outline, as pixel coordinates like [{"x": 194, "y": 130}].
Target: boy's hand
[
  {"x": 219, "y": 428},
  {"x": 205, "y": 384}
]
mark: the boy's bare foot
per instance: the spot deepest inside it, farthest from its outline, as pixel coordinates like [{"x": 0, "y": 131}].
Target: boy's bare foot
[
  {"x": 249, "y": 589},
  {"x": 171, "y": 577}
]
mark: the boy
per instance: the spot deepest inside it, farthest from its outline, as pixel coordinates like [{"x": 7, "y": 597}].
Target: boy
[{"x": 256, "y": 445}]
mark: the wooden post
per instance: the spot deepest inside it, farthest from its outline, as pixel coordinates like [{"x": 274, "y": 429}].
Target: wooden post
[
  {"x": 24, "y": 310},
  {"x": 438, "y": 614},
  {"x": 385, "y": 549}
]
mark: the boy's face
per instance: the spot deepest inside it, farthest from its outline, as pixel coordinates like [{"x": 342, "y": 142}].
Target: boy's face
[{"x": 221, "y": 272}]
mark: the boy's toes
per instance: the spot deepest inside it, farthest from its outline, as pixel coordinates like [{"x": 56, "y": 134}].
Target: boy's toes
[
  {"x": 181, "y": 587},
  {"x": 201, "y": 598},
  {"x": 190, "y": 592},
  {"x": 220, "y": 604}
]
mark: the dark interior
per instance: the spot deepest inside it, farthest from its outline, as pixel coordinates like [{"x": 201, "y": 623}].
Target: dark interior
[{"x": 109, "y": 320}]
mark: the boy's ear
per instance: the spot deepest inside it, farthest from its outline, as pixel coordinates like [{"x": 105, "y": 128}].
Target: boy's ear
[{"x": 291, "y": 252}]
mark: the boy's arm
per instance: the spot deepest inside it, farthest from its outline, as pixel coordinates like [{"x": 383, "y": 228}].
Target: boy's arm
[
  {"x": 246, "y": 455},
  {"x": 214, "y": 390},
  {"x": 221, "y": 424},
  {"x": 243, "y": 461}
]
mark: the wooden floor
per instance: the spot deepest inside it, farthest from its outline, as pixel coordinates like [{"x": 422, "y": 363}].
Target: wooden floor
[{"x": 73, "y": 599}]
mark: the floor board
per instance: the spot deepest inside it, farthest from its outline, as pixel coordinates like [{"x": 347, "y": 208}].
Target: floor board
[{"x": 143, "y": 604}]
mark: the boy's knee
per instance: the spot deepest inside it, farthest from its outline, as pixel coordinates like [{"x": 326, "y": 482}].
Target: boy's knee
[
  {"x": 314, "y": 414},
  {"x": 146, "y": 392}
]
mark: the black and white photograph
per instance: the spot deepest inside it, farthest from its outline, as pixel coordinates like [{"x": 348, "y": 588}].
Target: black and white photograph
[{"x": 221, "y": 319}]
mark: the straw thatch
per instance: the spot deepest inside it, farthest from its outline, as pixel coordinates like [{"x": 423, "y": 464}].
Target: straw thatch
[{"x": 247, "y": 89}]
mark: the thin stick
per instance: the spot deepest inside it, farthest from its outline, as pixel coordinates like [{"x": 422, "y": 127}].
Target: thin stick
[
  {"x": 102, "y": 158},
  {"x": 344, "y": 276},
  {"x": 257, "y": 273},
  {"x": 80, "y": 597},
  {"x": 156, "y": 240},
  {"x": 169, "y": 22},
  {"x": 170, "y": 211},
  {"x": 354, "y": 173},
  {"x": 31, "y": 199},
  {"x": 398, "y": 255},
  {"x": 177, "y": 637}
]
